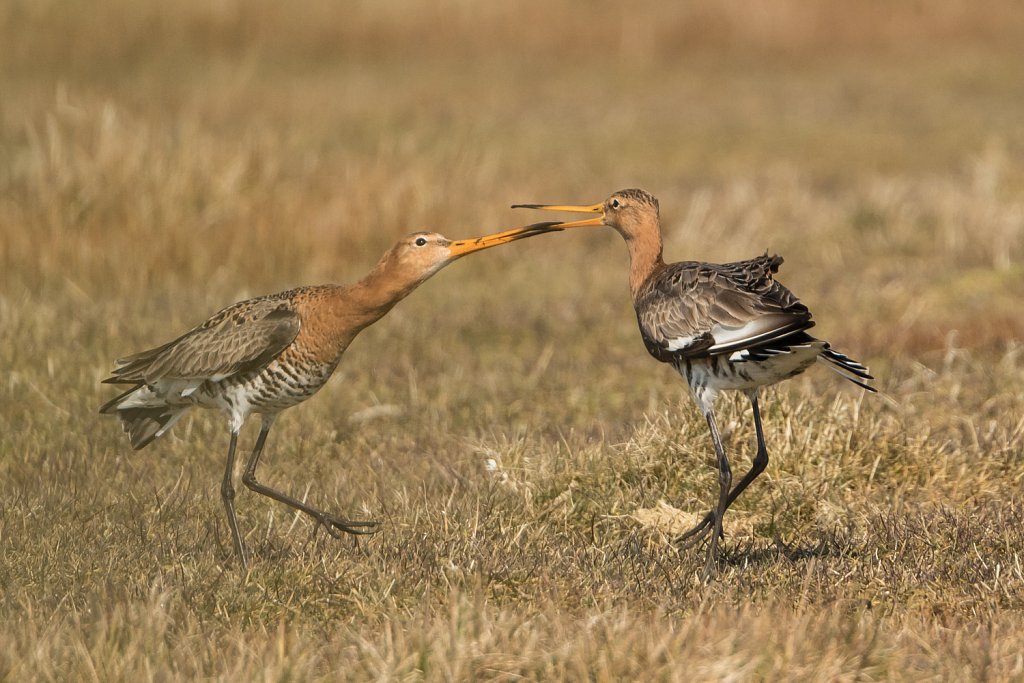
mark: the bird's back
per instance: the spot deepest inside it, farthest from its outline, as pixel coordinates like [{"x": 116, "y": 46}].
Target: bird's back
[
  {"x": 259, "y": 355},
  {"x": 241, "y": 337},
  {"x": 733, "y": 326},
  {"x": 692, "y": 309}
]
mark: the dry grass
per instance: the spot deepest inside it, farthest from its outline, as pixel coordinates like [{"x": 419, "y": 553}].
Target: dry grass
[{"x": 160, "y": 160}]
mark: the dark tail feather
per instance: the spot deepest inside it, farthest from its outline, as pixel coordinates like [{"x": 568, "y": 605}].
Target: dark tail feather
[
  {"x": 143, "y": 424},
  {"x": 110, "y": 407},
  {"x": 848, "y": 368}
]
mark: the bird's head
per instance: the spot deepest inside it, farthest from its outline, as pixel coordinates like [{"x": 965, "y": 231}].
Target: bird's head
[
  {"x": 628, "y": 211},
  {"x": 422, "y": 254}
]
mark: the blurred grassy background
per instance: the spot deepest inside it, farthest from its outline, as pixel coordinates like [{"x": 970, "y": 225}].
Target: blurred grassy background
[{"x": 161, "y": 160}]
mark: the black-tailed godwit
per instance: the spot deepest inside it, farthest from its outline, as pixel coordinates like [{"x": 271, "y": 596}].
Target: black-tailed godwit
[
  {"x": 725, "y": 326},
  {"x": 273, "y": 352}
]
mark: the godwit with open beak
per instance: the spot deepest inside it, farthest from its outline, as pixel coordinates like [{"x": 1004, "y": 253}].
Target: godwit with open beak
[
  {"x": 721, "y": 326},
  {"x": 273, "y": 352}
]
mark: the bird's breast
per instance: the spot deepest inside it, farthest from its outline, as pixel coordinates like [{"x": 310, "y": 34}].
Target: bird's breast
[{"x": 286, "y": 381}]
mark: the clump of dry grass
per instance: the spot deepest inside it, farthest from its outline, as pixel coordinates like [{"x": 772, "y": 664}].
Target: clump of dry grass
[{"x": 160, "y": 161}]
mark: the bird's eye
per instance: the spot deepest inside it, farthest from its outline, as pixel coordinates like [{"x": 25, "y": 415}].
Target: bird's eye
[
  {"x": 616, "y": 204},
  {"x": 420, "y": 241}
]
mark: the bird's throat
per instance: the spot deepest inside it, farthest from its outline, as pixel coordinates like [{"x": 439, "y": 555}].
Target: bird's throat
[{"x": 645, "y": 258}]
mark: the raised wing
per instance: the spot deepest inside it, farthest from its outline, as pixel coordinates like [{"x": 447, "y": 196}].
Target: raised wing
[
  {"x": 242, "y": 337},
  {"x": 694, "y": 310}
]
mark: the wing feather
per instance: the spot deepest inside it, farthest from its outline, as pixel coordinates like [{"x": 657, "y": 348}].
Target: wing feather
[
  {"x": 694, "y": 310},
  {"x": 241, "y": 337}
]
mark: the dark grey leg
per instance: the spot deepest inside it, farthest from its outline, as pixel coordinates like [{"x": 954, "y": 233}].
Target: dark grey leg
[
  {"x": 724, "y": 482},
  {"x": 333, "y": 524},
  {"x": 756, "y": 468},
  {"x": 227, "y": 494},
  {"x": 760, "y": 458}
]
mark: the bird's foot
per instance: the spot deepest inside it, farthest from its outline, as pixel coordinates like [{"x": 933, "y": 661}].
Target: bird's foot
[
  {"x": 698, "y": 533},
  {"x": 336, "y": 526},
  {"x": 711, "y": 562},
  {"x": 705, "y": 530}
]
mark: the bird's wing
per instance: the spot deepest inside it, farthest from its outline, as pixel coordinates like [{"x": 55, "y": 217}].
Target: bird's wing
[
  {"x": 693, "y": 310},
  {"x": 242, "y": 337}
]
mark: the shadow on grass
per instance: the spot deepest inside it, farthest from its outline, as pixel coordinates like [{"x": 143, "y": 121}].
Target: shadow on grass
[{"x": 835, "y": 544}]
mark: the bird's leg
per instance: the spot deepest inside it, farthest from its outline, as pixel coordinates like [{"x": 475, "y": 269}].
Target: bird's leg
[
  {"x": 758, "y": 466},
  {"x": 760, "y": 458},
  {"x": 724, "y": 482},
  {"x": 334, "y": 525},
  {"x": 227, "y": 494}
]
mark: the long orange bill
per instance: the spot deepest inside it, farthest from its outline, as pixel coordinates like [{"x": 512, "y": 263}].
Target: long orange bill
[
  {"x": 462, "y": 247},
  {"x": 584, "y": 223}
]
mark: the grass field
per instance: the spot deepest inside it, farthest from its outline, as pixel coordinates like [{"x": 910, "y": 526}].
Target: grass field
[{"x": 161, "y": 160}]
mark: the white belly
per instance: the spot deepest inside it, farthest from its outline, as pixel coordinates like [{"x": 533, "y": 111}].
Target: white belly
[{"x": 739, "y": 372}]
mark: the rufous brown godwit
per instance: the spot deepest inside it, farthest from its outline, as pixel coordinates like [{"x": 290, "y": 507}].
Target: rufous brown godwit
[{"x": 273, "y": 352}]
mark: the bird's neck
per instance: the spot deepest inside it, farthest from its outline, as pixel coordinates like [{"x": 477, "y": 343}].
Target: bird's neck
[
  {"x": 333, "y": 315},
  {"x": 645, "y": 256},
  {"x": 372, "y": 297}
]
